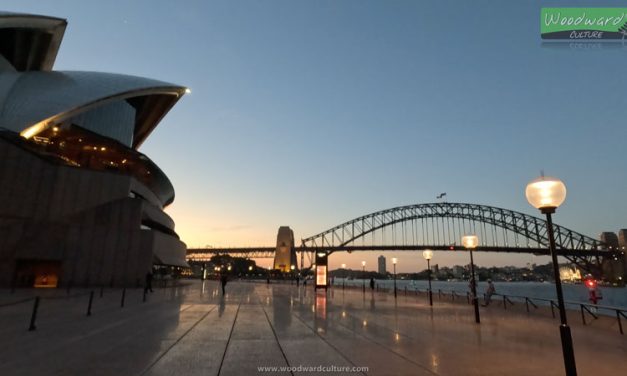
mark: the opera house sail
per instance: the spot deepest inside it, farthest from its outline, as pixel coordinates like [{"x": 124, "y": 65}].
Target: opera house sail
[{"x": 79, "y": 204}]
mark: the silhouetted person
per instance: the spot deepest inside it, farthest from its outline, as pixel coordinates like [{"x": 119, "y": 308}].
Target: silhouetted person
[
  {"x": 148, "y": 286},
  {"x": 223, "y": 281},
  {"x": 268, "y": 280},
  {"x": 297, "y": 281},
  {"x": 372, "y": 284},
  {"x": 489, "y": 292}
]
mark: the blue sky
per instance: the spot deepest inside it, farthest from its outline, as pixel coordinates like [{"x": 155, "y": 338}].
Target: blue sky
[{"x": 310, "y": 113}]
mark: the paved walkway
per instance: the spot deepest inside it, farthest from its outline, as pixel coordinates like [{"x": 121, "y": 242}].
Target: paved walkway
[{"x": 196, "y": 331}]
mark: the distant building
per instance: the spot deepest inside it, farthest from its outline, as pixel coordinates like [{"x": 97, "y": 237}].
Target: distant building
[
  {"x": 458, "y": 271},
  {"x": 80, "y": 205},
  {"x": 382, "y": 269},
  {"x": 614, "y": 268},
  {"x": 622, "y": 239}
]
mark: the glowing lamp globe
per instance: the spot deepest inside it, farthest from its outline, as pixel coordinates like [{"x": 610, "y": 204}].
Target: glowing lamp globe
[
  {"x": 470, "y": 241},
  {"x": 363, "y": 263},
  {"x": 428, "y": 254},
  {"x": 546, "y": 193},
  {"x": 394, "y": 260}
]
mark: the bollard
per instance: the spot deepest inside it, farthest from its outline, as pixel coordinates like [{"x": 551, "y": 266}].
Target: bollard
[
  {"x": 34, "y": 315},
  {"x": 123, "y": 296},
  {"x": 91, "y": 300},
  {"x": 101, "y": 291}
]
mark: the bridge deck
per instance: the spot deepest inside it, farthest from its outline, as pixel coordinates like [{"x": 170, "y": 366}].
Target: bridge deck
[{"x": 193, "y": 331}]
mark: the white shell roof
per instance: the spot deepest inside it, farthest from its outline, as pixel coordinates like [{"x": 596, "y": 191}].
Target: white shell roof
[
  {"x": 31, "y": 97},
  {"x": 40, "y": 55}
]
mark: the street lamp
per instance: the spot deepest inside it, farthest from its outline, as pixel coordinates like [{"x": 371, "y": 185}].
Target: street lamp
[
  {"x": 471, "y": 242},
  {"x": 428, "y": 254},
  {"x": 363, "y": 274},
  {"x": 394, "y": 260},
  {"x": 547, "y": 194}
]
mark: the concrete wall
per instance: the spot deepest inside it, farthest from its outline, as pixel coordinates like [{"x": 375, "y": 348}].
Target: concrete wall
[{"x": 84, "y": 219}]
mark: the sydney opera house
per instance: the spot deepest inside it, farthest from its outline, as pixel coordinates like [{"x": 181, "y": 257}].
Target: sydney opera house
[{"x": 79, "y": 204}]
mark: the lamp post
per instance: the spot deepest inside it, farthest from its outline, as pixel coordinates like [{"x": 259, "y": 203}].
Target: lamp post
[
  {"x": 547, "y": 194},
  {"x": 428, "y": 254},
  {"x": 394, "y": 260},
  {"x": 470, "y": 242},
  {"x": 344, "y": 279},
  {"x": 363, "y": 275}
]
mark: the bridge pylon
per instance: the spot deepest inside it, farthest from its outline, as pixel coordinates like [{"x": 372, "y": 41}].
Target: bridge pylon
[{"x": 285, "y": 255}]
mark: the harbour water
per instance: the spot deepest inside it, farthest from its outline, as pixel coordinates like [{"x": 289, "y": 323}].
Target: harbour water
[{"x": 612, "y": 296}]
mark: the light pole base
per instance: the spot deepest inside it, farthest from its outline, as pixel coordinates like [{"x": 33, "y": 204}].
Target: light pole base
[{"x": 567, "y": 349}]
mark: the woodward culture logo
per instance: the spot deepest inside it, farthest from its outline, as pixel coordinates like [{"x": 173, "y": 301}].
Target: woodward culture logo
[{"x": 583, "y": 23}]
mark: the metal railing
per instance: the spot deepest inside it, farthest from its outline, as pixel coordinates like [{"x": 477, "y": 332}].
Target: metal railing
[
  {"x": 585, "y": 309},
  {"x": 37, "y": 301}
]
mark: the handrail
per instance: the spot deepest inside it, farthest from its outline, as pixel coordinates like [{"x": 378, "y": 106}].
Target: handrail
[
  {"x": 620, "y": 313},
  {"x": 583, "y": 316}
]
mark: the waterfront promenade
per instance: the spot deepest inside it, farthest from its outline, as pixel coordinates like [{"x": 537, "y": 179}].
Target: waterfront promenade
[{"x": 193, "y": 330}]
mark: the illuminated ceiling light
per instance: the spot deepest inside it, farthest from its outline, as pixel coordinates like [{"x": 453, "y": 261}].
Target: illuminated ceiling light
[
  {"x": 103, "y": 148},
  {"x": 55, "y": 129},
  {"x": 123, "y": 160}
]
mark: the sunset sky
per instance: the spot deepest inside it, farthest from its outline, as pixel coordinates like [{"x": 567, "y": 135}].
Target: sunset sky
[{"x": 311, "y": 113}]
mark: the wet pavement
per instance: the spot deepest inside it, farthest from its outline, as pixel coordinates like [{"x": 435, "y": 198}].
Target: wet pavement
[{"x": 194, "y": 330}]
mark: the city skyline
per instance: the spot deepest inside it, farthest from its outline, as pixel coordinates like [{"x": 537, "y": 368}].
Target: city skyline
[{"x": 307, "y": 115}]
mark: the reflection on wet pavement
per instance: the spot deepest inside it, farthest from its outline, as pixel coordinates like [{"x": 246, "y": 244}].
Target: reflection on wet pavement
[{"x": 194, "y": 330}]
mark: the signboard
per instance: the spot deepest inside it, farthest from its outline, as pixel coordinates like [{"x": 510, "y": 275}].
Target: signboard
[{"x": 321, "y": 276}]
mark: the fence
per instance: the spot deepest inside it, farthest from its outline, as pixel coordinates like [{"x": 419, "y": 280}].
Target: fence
[
  {"x": 39, "y": 300},
  {"x": 586, "y": 309}
]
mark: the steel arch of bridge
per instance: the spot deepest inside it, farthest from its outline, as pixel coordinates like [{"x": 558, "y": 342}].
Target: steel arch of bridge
[{"x": 580, "y": 249}]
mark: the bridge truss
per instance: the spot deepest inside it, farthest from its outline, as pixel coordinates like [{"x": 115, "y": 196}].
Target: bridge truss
[{"x": 440, "y": 226}]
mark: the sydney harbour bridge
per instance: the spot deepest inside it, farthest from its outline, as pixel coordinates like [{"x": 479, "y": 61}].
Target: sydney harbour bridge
[{"x": 440, "y": 227}]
